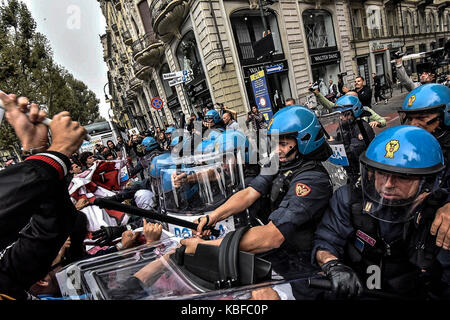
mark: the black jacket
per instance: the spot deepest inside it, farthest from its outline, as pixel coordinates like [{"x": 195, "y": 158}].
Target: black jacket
[
  {"x": 365, "y": 96},
  {"x": 36, "y": 217}
]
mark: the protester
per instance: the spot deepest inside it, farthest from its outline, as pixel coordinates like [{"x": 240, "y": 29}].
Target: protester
[
  {"x": 373, "y": 118},
  {"x": 35, "y": 224},
  {"x": 87, "y": 160},
  {"x": 363, "y": 91},
  {"x": 377, "y": 87},
  {"x": 290, "y": 102},
  {"x": 256, "y": 118},
  {"x": 112, "y": 148},
  {"x": 230, "y": 123}
]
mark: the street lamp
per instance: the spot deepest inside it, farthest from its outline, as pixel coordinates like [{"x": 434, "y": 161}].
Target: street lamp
[{"x": 107, "y": 99}]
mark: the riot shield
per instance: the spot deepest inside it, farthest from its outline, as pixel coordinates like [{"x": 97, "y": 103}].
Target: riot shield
[
  {"x": 199, "y": 187},
  {"x": 336, "y": 163}
]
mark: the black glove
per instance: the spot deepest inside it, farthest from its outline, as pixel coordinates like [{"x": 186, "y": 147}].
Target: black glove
[
  {"x": 344, "y": 281},
  {"x": 106, "y": 235}
]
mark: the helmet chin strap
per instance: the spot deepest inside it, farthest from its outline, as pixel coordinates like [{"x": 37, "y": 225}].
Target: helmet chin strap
[
  {"x": 292, "y": 163},
  {"x": 291, "y": 151}
]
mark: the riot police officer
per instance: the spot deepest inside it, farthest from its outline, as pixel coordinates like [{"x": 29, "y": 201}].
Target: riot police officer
[
  {"x": 299, "y": 193},
  {"x": 427, "y": 107},
  {"x": 214, "y": 121},
  {"x": 378, "y": 235},
  {"x": 353, "y": 132}
]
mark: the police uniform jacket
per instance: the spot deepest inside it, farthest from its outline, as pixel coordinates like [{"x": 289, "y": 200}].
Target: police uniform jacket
[
  {"x": 301, "y": 208},
  {"x": 338, "y": 234}
]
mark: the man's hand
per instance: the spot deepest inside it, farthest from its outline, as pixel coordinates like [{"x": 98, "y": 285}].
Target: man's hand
[
  {"x": 208, "y": 220},
  {"x": 344, "y": 281},
  {"x": 441, "y": 227},
  {"x": 82, "y": 203},
  {"x": 67, "y": 135},
  {"x": 191, "y": 244},
  {"x": 29, "y": 129},
  {"x": 152, "y": 232},
  {"x": 374, "y": 124},
  {"x": 265, "y": 294},
  {"x": 179, "y": 180}
]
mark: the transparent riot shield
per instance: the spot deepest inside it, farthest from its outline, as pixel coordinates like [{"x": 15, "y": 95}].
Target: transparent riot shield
[
  {"x": 338, "y": 161},
  {"x": 199, "y": 186},
  {"x": 75, "y": 280}
]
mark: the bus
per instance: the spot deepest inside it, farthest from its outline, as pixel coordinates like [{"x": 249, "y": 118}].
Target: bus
[{"x": 100, "y": 133}]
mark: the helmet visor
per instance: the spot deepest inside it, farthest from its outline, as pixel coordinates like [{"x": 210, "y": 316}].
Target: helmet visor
[{"x": 392, "y": 197}]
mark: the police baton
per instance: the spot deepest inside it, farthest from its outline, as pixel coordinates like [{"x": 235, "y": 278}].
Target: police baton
[
  {"x": 113, "y": 205},
  {"x": 325, "y": 284}
]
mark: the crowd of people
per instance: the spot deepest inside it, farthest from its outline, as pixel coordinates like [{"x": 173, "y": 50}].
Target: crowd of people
[{"x": 393, "y": 213}]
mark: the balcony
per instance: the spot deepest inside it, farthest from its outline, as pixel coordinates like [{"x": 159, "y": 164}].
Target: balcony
[
  {"x": 135, "y": 84},
  {"x": 127, "y": 39},
  {"x": 115, "y": 28},
  {"x": 124, "y": 58},
  {"x": 167, "y": 17},
  {"x": 141, "y": 72},
  {"x": 131, "y": 94},
  {"x": 148, "y": 51}
]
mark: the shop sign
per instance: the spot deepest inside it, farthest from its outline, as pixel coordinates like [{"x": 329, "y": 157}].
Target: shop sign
[{"x": 325, "y": 58}]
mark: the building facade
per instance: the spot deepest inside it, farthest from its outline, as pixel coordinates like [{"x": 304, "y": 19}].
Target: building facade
[{"x": 196, "y": 53}]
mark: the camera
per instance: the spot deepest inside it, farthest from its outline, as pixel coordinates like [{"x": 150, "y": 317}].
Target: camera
[
  {"x": 340, "y": 75},
  {"x": 398, "y": 54},
  {"x": 314, "y": 86}
]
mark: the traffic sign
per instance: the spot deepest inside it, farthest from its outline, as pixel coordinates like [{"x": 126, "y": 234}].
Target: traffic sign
[
  {"x": 275, "y": 68},
  {"x": 157, "y": 103},
  {"x": 175, "y": 75},
  {"x": 179, "y": 80}
]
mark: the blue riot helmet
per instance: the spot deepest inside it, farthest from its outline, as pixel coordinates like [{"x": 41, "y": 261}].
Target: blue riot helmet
[
  {"x": 205, "y": 146},
  {"x": 149, "y": 144},
  {"x": 170, "y": 130},
  {"x": 213, "y": 114},
  {"x": 302, "y": 124},
  {"x": 161, "y": 161},
  {"x": 426, "y": 99},
  {"x": 232, "y": 141},
  {"x": 399, "y": 166},
  {"x": 349, "y": 103}
]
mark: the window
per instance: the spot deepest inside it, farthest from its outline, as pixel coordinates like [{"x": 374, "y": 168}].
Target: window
[
  {"x": 98, "y": 127},
  {"x": 248, "y": 28},
  {"x": 167, "y": 89},
  {"x": 188, "y": 55},
  {"x": 408, "y": 22},
  {"x": 319, "y": 29}
]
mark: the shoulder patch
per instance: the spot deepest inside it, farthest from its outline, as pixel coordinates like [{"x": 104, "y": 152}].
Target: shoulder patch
[{"x": 302, "y": 190}]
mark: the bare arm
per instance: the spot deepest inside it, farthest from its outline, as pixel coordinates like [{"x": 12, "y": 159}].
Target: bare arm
[
  {"x": 237, "y": 203},
  {"x": 261, "y": 239},
  {"x": 323, "y": 257}
]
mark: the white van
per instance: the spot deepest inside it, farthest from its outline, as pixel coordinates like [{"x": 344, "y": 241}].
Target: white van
[{"x": 100, "y": 133}]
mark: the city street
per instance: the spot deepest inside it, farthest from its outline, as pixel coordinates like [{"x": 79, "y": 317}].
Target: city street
[{"x": 389, "y": 110}]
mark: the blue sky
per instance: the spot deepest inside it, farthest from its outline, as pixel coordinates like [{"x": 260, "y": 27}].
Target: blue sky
[{"x": 73, "y": 28}]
